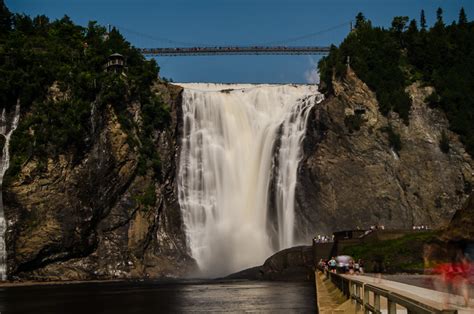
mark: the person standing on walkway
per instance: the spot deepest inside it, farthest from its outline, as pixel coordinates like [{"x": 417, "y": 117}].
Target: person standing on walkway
[
  {"x": 360, "y": 262},
  {"x": 332, "y": 264}
]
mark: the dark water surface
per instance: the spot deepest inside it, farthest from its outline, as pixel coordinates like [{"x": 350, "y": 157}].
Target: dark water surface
[{"x": 159, "y": 297}]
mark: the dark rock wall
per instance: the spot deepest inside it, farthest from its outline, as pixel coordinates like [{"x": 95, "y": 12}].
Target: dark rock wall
[
  {"x": 353, "y": 178},
  {"x": 84, "y": 219},
  {"x": 292, "y": 264}
]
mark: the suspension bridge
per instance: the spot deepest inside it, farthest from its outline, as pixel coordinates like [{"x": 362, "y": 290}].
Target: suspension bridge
[
  {"x": 271, "y": 48},
  {"x": 235, "y": 50}
]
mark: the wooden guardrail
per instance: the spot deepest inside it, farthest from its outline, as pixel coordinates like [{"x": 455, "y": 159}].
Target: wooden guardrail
[{"x": 360, "y": 293}]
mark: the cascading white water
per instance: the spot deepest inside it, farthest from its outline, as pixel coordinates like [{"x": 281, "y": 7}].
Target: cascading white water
[
  {"x": 227, "y": 154},
  {"x": 7, "y": 132}
]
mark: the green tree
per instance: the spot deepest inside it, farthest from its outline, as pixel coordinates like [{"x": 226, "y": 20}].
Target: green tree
[
  {"x": 5, "y": 18},
  {"x": 399, "y": 24},
  {"x": 423, "y": 20},
  {"x": 462, "y": 17},
  {"x": 360, "y": 20},
  {"x": 439, "y": 17}
]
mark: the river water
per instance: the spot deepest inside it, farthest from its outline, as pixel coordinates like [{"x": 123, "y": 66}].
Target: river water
[{"x": 161, "y": 297}]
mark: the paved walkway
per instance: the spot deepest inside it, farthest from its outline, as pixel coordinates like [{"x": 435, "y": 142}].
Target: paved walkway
[{"x": 435, "y": 299}]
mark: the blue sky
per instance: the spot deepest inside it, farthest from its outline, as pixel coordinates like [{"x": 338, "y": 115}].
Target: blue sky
[{"x": 236, "y": 22}]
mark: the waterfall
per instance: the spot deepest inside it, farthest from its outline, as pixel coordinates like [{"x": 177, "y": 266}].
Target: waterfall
[
  {"x": 227, "y": 153},
  {"x": 4, "y": 164}
]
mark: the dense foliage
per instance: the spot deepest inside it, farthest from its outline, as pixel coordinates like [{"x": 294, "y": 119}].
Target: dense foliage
[
  {"x": 397, "y": 255},
  {"x": 388, "y": 60},
  {"x": 36, "y": 54}
]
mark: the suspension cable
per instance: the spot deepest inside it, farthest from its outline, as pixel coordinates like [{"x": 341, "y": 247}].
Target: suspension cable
[
  {"x": 160, "y": 39},
  {"x": 194, "y": 44},
  {"x": 293, "y": 39}
]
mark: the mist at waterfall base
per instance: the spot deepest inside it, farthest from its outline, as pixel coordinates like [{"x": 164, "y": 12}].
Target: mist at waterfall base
[{"x": 239, "y": 157}]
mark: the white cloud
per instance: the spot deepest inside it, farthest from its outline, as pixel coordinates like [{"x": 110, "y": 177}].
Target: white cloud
[{"x": 312, "y": 75}]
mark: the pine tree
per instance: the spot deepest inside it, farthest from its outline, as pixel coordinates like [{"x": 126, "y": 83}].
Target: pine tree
[
  {"x": 439, "y": 16},
  {"x": 462, "y": 17},
  {"x": 398, "y": 26},
  {"x": 411, "y": 34},
  {"x": 5, "y": 18},
  {"x": 360, "y": 20},
  {"x": 399, "y": 23},
  {"x": 423, "y": 20}
]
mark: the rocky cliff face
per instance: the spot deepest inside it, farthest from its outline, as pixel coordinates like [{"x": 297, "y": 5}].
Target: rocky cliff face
[
  {"x": 350, "y": 176},
  {"x": 83, "y": 219},
  {"x": 95, "y": 216},
  {"x": 461, "y": 227}
]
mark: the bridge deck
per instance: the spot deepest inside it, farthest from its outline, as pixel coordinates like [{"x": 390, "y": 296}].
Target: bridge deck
[{"x": 234, "y": 50}]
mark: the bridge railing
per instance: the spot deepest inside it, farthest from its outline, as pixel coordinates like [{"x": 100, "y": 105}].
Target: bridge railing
[{"x": 367, "y": 297}]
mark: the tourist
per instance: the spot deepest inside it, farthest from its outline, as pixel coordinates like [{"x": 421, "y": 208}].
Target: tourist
[
  {"x": 454, "y": 278},
  {"x": 350, "y": 267},
  {"x": 322, "y": 264},
  {"x": 357, "y": 267},
  {"x": 466, "y": 272},
  {"x": 332, "y": 264},
  {"x": 361, "y": 266}
]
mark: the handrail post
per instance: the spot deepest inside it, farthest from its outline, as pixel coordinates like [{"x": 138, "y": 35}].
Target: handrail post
[
  {"x": 392, "y": 306},
  {"x": 366, "y": 299},
  {"x": 358, "y": 306},
  {"x": 351, "y": 290},
  {"x": 377, "y": 301}
]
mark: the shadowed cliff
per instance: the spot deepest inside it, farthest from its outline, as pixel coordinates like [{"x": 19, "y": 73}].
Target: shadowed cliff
[{"x": 99, "y": 217}]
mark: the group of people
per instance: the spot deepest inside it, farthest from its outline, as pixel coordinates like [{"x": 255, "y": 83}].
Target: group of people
[
  {"x": 344, "y": 266},
  {"x": 422, "y": 227},
  {"x": 323, "y": 238},
  {"x": 377, "y": 227}
]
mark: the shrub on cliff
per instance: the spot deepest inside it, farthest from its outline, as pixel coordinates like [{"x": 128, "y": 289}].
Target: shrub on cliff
[
  {"x": 444, "y": 143},
  {"x": 404, "y": 254},
  {"x": 394, "y": 139},
  {"x": 353, "y": 122}
]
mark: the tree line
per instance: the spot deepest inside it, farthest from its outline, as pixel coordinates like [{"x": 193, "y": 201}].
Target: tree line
[
  {"x": 390, "y": 59},
  {"x": 37, "y": 53}
]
